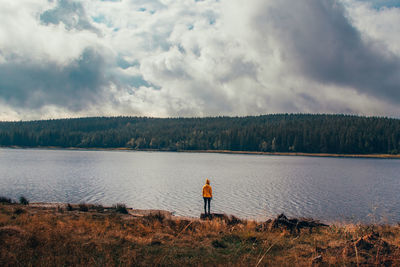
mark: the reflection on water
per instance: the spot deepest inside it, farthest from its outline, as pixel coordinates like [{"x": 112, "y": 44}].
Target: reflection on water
[{"x": 251, "y": 186}]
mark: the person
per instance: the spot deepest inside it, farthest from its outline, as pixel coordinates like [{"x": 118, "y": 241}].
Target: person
[{"x": 207, "y": 195}]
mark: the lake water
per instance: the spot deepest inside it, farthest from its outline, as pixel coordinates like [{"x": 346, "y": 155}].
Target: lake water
[{"x": 248, "y": 186}]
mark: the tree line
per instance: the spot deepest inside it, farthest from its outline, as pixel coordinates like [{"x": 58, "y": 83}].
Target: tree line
[{"x": 344, "y": 134}]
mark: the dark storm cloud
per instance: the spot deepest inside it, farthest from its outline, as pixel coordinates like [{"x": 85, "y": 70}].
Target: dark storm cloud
[
  {"x": 33, "y": 85},
  {"x": 318, "y": 41},
  {"x": 69, "y": 12}
]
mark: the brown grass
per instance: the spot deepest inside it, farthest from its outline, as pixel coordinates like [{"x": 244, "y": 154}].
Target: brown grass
[{"x": 37, "y": 236}]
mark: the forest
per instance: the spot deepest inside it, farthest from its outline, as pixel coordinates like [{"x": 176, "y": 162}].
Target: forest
[{"x": 308, "y": 133}]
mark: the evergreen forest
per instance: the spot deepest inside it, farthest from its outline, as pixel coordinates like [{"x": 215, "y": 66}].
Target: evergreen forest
[{"x": 343, "y": 134}]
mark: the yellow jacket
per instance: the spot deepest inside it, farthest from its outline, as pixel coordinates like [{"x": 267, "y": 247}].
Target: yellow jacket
[{"x": 207, "y": 190}]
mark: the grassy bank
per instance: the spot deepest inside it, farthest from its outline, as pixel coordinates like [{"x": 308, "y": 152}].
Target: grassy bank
[{"x": 90, "y": 235}]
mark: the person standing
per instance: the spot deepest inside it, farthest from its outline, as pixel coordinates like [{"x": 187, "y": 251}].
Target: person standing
[{"x": 207, "y": 195}]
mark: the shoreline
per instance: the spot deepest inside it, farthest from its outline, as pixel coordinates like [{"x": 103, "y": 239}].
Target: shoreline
[
  {"x": 134, "y": 213},
  {"x": 168, "y": 214},
  {"x": 131, "y": 211},
  {"x": 290, "y": 154}
]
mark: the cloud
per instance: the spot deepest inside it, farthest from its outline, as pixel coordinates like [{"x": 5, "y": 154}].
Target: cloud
[
  {"x": 70, "y": 13},
  {"x": 196, "y": 58},
  {"x": 319, "y": 42},
  {"x": 381, "y": 3},
  {"x": 75, "y": 86},
  {"x": 380, "y": 26}
]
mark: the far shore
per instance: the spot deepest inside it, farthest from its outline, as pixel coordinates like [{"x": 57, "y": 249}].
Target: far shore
[{"x": 301, "y": 154}]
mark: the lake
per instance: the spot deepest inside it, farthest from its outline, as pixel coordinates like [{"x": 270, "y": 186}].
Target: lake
[{"x": 248, "y": 186}]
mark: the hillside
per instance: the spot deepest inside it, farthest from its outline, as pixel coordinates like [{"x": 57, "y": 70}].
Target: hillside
[{"x": 337, "y": 134}]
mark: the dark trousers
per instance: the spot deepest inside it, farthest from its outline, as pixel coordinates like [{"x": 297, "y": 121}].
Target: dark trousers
[{"x": 207, "y": 200}]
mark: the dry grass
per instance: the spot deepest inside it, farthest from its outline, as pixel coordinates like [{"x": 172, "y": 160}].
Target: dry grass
[{"x": 35, "y": 236}]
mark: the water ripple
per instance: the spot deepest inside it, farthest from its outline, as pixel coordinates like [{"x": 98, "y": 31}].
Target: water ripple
[{"x": 244, "y": 185}]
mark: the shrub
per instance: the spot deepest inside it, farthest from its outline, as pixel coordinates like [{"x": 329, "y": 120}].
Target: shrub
[
  {"x": 69, "y": 207},
  {"x": 233, "y": 220},
  {"x": 83, "y": 207},
  {"x": 19, "y": 211},
  {"x": 218, "y": 244},
  {"x": 23, "y": 200},
  {"x": 98, "y": 208},
  {"x": 60, "y": 209},
  {"x": 5, "y": 200},
  {"x": 121, "y": 208}
]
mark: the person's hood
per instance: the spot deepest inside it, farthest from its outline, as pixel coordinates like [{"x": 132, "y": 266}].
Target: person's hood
[{"x": 207, "y": 181}]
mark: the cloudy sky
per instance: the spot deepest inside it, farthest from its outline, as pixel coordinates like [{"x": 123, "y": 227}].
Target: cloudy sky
[{"x": 168, "y": 58}]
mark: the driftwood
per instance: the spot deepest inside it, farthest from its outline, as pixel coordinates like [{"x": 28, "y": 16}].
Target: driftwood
[{"x": 293, "y": 225}]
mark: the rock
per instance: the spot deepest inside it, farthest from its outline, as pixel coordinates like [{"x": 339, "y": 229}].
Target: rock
[
  {"x": 155, "y": 243},
  {"x": 204, "y": 216}
]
